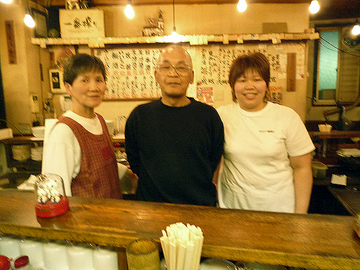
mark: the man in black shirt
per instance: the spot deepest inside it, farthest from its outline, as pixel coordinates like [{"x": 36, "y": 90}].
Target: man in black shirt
[{"x": 175, "y": 144}]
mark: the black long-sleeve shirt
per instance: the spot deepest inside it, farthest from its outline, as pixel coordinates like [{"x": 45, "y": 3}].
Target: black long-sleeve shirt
[{"x": 175, "y": 151}]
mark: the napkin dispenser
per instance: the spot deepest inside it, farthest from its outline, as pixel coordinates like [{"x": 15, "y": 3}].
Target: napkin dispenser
[{"x": 50, "y": 195}]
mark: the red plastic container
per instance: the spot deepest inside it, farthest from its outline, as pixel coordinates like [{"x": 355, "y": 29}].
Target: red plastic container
[{"x": 50, "y": 194}]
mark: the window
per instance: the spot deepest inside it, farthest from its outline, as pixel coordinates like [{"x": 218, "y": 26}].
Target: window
[{"x": 337, "y": 68}]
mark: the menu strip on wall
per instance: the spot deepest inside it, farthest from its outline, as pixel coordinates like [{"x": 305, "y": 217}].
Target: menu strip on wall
[
  {"x": 291, "y": 72},
  {"x": 130, "y": 70},
  {"x": 10, "y": 37}
]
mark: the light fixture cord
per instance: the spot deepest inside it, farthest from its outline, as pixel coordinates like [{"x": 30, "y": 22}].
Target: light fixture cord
[{"x": 174, "y": 15}]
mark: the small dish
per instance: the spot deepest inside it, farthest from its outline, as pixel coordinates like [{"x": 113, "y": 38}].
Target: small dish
[{"x": 217, "y": 264}]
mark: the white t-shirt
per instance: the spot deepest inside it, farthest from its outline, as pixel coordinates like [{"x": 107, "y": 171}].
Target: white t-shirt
[
  {"x": 62, "y": 153},
  {"x": 256, "y": 172}
]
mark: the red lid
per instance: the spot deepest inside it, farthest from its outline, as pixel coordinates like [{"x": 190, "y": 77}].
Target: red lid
[
  {"x": 4, "y": 263},
  {"x": 21, "y": 261}
]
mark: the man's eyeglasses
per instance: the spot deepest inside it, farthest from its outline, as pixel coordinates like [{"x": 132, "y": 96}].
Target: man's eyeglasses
[{"x": 181, "y": 70}]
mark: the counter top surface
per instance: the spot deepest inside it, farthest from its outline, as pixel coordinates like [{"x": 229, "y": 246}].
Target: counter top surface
[
  {"x": 335, "y": 134},
  {"x": 349, "y": 198},
  {"x": 349, "y": 195},
  {"x": 313, "y": 241}
]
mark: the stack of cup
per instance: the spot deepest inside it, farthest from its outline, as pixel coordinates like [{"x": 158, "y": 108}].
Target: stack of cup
[
  {"x": 9, "y": 246},
  {"x": 105, "y": 258},
  {"x": 55, "y": 256},
  {"x": 33, "y": 249},
  {"x": 80, "y": 257}
]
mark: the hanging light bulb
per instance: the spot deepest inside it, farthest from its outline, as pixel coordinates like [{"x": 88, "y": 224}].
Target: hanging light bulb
[
  {"x": 174, "y": 32},
  {"x": 28, "y": 20},
  {"x": 314, "y": 7},
  {"x": 241, "y": 6},
  {"x": 129, "y": 11},
  {"x": 356, "y": 30},
  {"x": 174, "y": 37}
]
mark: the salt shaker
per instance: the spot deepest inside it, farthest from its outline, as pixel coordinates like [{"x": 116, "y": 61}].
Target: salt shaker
[{"x": 50, "y": 194}]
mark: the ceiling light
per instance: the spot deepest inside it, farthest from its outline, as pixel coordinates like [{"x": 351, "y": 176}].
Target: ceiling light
[
  {"x": 6, "y": 1},
  {"x": 356, "y": 30},
  {"x": 314, "y": 6},
  {"x": 174, "y": 37},
  {"x": 28, "y": 20},
  {"x": 241, "y": 6},
  {"x": 129, "y": 11}
]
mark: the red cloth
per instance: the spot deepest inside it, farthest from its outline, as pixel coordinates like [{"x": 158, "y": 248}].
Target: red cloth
[{"x": 98, "y": 176}]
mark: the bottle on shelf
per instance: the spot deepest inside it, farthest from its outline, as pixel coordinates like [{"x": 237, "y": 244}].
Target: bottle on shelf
[{"x": 160, "y": 23}]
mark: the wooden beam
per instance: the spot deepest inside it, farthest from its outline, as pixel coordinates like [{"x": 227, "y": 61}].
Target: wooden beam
[{"x": 181, "y": 2}]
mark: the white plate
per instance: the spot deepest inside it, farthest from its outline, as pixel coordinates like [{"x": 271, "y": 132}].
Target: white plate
[
  {"x": 259, "y": 266},
  {"x": 217, "y": 264}
]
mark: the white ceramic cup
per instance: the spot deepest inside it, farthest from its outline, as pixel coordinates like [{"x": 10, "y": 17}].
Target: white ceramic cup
[
  {"x": 34, "y": 250},
  {"x": 55, "y": 256},
  {"x": 80, "y": 258},
  {"x": 105, "y": 259},
  {"x": 111, "y": 126},
  {"x": 10, "y": 247}
]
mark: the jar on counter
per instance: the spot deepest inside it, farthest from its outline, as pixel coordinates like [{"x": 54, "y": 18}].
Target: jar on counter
[{"x": 50, "y": 194}]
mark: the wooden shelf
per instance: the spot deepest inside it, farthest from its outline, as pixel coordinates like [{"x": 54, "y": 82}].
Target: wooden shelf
[
  {"x": 192, "y": 39},
  {"x": 335, "y": 134},
  {"x": 28, "y": 139}
]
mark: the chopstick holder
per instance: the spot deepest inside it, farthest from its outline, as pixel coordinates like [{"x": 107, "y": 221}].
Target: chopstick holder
[{"x": 182, "y": 246}]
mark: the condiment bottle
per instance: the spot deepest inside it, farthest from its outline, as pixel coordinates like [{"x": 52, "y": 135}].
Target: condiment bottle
[
  {"x": 50, "y": 194},
  {"x": 22, "y": 263}
]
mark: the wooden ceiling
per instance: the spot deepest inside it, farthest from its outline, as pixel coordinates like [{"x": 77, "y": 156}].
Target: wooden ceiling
[{"x": 330, "y": 9}]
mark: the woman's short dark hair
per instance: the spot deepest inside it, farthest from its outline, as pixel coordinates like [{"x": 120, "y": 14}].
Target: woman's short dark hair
[
  {"x": 82, "y": 63},
  {"x": 256, "y": 61}
]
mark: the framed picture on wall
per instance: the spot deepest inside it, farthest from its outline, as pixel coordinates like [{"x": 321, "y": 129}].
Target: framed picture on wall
[
  {"x": 40, "y": 19},
  {"x": 56, "y": 81}
]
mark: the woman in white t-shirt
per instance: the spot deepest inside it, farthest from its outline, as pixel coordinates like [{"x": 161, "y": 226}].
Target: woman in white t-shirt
[{"x": 267, "y": 152}]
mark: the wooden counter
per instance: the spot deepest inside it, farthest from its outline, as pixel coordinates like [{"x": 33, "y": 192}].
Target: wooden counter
[
  {"x": 312, "y": 241},
  {"x": 349, "y": 197}
]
